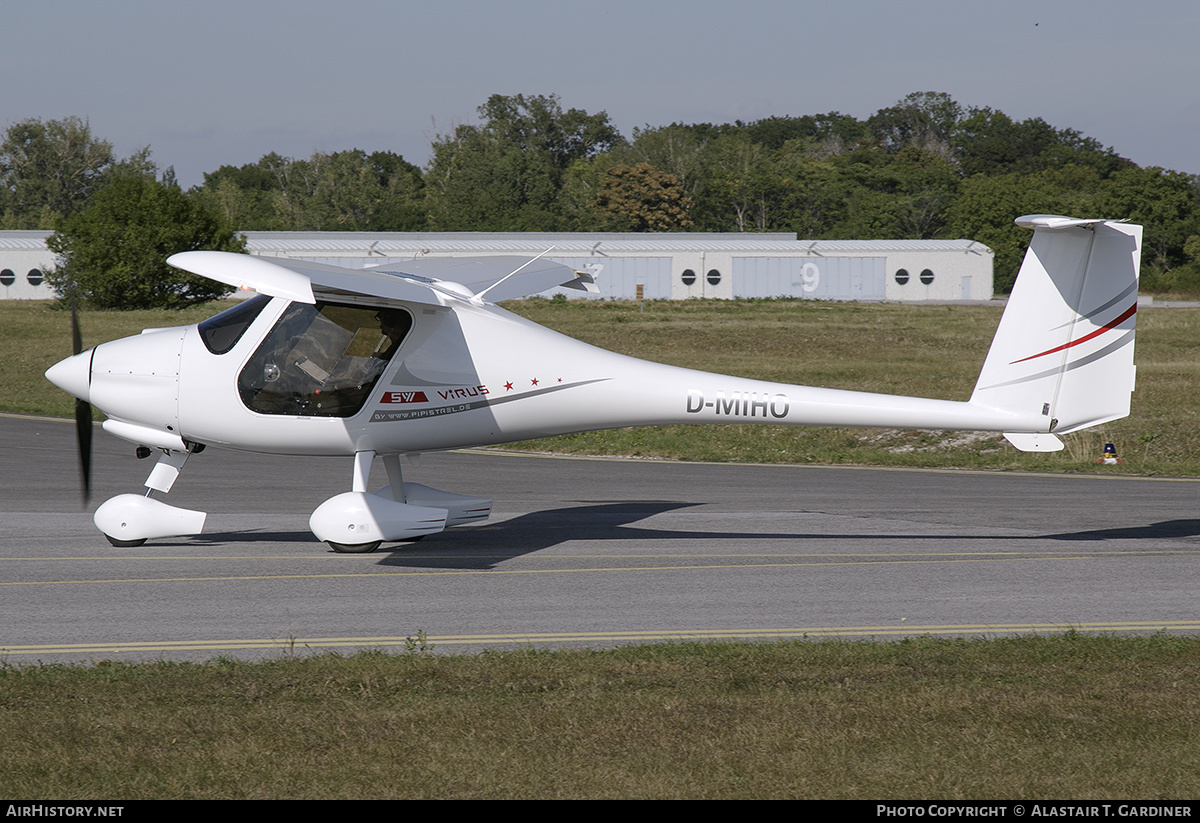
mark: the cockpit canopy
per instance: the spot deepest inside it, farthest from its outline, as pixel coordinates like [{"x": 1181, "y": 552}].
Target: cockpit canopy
[{"x": 319, "y": 360}]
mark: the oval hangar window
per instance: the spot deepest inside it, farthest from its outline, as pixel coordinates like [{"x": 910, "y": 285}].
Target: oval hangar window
[
  {"x": 926, "y": 276},
  {"x": 901, "y": 276},
  {"x": 7, "y": 278},
  {"x": 713, "y": 277},
  {"x": 688, "y": 277},
  {"x": 35, "y": 277}
]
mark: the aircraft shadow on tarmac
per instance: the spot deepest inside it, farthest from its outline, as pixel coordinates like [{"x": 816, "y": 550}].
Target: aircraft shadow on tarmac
[
  {"x": 495, "y": 543},
  {"x": 487, "y": 546},
  {"x": 1165, "y": 529}
]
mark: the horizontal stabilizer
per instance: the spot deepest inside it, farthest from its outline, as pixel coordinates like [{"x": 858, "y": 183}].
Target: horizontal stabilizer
[
  {"x": 1055, "y": 221},
  {"x": 1040, "y": 442}
]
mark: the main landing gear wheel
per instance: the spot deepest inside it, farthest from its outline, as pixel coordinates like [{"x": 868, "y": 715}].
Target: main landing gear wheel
[
  {"x": 124, "y": 544},
  {"x": 350, "y": 548}
]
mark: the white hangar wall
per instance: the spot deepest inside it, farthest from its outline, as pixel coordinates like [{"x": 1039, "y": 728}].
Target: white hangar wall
[
  {"x": 672, "y": 266},
  {"x": 24, "y": 260}
]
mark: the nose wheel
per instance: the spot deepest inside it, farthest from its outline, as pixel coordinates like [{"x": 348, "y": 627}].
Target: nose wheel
[
  {"x": 129, "y": 520},
  {"x": 353, "y": 548},
  {"x": 124, "y": 544}
]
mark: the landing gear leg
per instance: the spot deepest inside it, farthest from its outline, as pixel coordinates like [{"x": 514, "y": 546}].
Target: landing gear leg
[{"x": 395, "y": 474}]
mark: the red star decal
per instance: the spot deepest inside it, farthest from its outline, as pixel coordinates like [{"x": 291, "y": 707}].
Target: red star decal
[
  {"x": 560, "y": 380},
  {"x": 534, "y": 381},
  {"x": 508, "y": 386}
]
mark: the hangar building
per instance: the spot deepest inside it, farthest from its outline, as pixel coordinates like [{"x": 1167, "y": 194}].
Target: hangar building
[
  {"x": 24, "y": 259},
  {"x": 671, "y": 266}
]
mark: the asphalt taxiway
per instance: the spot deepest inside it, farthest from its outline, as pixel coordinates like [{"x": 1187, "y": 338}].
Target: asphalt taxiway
[{"x": 578, "y": 551}]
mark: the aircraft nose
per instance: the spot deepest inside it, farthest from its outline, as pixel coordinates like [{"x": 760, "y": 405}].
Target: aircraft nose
[
  {"x": 73, "y": 375},
  {"x": 136, "y": 379}
]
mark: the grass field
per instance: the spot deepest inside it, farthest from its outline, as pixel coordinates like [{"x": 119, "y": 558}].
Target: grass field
[
  {"x": 931, "y": 351},
  {"x": 1067, "y": 717}
]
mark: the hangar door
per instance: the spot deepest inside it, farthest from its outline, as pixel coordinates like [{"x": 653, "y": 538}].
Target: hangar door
[
  {"x": 818, "y": 278},
  {"x": 618, "y": 277}
]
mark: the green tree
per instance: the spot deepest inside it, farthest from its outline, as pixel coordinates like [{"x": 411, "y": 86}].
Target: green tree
[
  {"x": 245, "y": 196},
  {"x": 538, "y": 125},
  {"x": 343, "y": 191},
  {"x": 813, "y": 195},
  {"x": 902, "y": 195},
  {"x": 925, "y": 119},
  {"x": 741, "y": 188},
  {"x": 48, "y": 170},
  {"x": 989, "y": 142},
  {"x": 1164, "y": 202},
  {"x": 986, "y": 207},
  {"x": 675, "y": 150},
  {"x": 1187, "y": 276},
  {"x": 799, "y": 192},
  {"x": 114, "y": 251},
  {"x": 476, "y": 183},
  {"x": 581, "y": 187},
  {"x": 507, "y": 173},
  {"x": 352, "y": 191},
  {"x": 833, "y": 131}
]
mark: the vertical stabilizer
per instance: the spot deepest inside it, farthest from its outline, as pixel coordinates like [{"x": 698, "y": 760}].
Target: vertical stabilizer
[{"x": 1064, "y": 349}]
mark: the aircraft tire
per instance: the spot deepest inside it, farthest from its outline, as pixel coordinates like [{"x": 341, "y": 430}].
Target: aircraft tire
[
  {"x": 124, "y": 544},
  {"x": 354, "y": 548}
]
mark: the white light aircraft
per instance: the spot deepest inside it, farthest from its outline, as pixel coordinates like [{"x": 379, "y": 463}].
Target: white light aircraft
[{"x": 414, "y": 357}]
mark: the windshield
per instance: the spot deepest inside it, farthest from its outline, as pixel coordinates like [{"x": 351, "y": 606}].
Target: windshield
[
  {"x": 322, "y": 360},
  {"x": 221, "y": 332}
]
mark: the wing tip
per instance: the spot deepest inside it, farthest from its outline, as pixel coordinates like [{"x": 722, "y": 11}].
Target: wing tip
[{"x": 1058, "y": 221}]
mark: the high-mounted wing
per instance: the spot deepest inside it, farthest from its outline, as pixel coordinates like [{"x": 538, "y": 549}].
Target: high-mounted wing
[
  {"x": 496, "y": 278},
  {"x": 429, "y": 281}
]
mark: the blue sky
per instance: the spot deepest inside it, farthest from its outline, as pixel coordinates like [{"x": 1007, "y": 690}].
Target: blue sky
[{"x": 217, "y": 82}]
